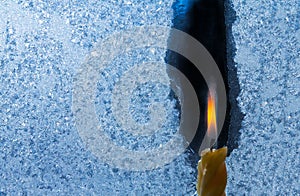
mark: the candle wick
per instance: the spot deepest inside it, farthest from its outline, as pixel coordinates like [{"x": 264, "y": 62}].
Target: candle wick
[{"x": 212, "y": 142}]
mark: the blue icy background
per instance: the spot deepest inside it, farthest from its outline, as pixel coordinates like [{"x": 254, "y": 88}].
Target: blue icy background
[
  {"x": 43, "y": 43},
  {"x": 267, "y": 38}
]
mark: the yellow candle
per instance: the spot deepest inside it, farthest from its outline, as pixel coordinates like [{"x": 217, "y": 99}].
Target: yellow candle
[{"x": 212, "y": 175}]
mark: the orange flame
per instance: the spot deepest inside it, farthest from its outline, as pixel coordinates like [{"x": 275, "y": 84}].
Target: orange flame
[{"x": 211, "y": 117}]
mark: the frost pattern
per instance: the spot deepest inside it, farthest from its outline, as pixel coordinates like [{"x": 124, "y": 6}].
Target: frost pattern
[
  {"x": 267, "y": 162},
  {"x": 42, "y": 44}
]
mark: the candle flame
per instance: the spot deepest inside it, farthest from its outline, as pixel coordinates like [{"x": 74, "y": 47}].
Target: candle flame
[{"x": 211, "y": 117}]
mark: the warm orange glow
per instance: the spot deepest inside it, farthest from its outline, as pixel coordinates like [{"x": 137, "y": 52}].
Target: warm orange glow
[{"x": 211, "y": 117}]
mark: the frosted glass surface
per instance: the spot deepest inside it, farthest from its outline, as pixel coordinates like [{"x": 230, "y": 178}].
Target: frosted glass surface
[
  {"x": 267, "y": 162},
  {"x": 43, "y": 46}
]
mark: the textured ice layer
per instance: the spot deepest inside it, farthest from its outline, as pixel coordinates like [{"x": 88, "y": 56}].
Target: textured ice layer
[
  {"x": 42, "y": 45},
  {"x": 267, "y": 38}
]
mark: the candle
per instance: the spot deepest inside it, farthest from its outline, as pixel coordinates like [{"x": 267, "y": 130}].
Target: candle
[{"x": 212, "y": 174}]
